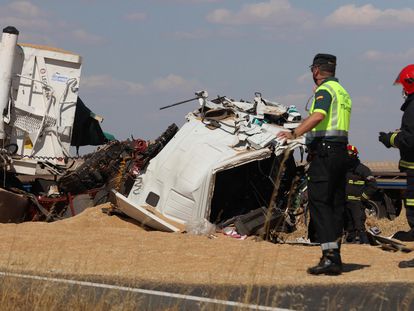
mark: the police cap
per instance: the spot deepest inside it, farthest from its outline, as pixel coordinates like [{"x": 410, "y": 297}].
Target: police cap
[{"x": 324, "y": 59}]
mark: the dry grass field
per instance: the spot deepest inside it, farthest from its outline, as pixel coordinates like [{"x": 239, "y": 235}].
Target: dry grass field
[{"x": 93, "y": 244}]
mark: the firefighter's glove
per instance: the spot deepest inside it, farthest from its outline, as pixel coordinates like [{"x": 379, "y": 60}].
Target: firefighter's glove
[{"x": 385, "y": 138}]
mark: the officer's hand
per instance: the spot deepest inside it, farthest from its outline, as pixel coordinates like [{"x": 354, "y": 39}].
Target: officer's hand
[
  {"x": 385, "y": 139},
  {"x": 284, "y": 135}
]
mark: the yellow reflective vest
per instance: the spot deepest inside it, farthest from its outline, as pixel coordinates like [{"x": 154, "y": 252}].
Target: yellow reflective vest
[{"x": 336, "y": 121}]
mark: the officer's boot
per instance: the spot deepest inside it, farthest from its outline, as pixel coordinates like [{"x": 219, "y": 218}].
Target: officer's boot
[
  {"x": 363, "y": 237},
  {"x": 406, "y": 264},
  {"x": 406, "y": 236},
  {"x": 330, "y": 263}
]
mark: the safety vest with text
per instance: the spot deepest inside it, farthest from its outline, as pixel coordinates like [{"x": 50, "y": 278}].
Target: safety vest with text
[{"x": 336, "y": 121}]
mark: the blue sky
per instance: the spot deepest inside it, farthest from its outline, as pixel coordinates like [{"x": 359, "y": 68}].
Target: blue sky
[{"x": 144, "y": 54}]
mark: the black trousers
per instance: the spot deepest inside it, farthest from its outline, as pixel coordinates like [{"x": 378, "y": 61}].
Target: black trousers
[
  {"x": 409, "y": 198},
  {"x": 326, "y": 190},
  {"x": 355, "y": 216}
]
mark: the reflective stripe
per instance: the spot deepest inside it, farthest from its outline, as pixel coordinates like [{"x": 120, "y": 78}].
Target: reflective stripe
[
  {"x": 407, "y": 164},
  {"x": 334, "y": 115},
  {"x": 365, "y": 196},
  {"x": 313, "y": 134},
  {"x": 353, "y": 198},
  {"x": 392, "y": 139},
  {"x": 321, "y": 111},
  {"x": 356, "y": 182},
  {"x": 329, "y": 245},
  {"x": 410, "y": 202}
]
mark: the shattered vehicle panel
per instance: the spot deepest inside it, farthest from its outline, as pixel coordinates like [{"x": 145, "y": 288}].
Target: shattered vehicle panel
[{"x": 207, "y": 169}]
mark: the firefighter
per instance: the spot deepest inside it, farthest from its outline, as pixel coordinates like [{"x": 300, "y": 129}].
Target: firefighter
[
  {"x": 403, "y": 139},
  {"x": 361, "y": 185},
  {"x": 326, "y": 131}
]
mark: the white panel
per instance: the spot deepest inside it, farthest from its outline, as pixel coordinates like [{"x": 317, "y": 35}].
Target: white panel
[
  {"x": 142, "y": 215},
  {"x": 179, "y": 206}
]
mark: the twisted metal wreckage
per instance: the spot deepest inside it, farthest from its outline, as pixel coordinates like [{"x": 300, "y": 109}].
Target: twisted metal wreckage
[
  {"x": 43, "y": 117},
  {"x": 223, "y": 166},
  {"x": 222, "y": 163}
]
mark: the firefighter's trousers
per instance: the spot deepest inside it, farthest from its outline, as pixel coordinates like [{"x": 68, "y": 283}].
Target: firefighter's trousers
[
  {"x": 355, "y": 216},
  {"x": 409, "y": 198}
]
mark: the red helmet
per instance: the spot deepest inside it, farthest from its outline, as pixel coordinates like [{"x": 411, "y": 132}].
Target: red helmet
[
  {"x": 406, "y": 79},
  {"x": 352, "y": 150}
]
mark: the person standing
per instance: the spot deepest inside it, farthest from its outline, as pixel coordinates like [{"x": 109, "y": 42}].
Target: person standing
[
  {"x": 326, "y": 131},
  {"x": 361, "y": 185},
  {"x": 403, "y": 139}
]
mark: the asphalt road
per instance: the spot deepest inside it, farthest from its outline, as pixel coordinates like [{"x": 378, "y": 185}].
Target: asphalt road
[{"x": 59, "y": 292}]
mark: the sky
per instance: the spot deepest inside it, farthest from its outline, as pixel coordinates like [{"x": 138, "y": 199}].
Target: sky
[{"x": 144, "y": 54}]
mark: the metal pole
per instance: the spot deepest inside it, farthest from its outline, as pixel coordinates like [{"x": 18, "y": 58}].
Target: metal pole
[{"x": 7, "y": 53}]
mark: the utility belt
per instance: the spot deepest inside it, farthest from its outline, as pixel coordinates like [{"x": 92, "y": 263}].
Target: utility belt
[{"x": 323, "y": 147}]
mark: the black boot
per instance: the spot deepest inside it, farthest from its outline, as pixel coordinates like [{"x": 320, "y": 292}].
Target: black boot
[
  {"x": 406, "y": 236},
  {"x": 350, "y": 237},
  {"x": 406, "y": 264},
  {"x": 363, "y": 237},
  {"x": 330, "y": 263}
]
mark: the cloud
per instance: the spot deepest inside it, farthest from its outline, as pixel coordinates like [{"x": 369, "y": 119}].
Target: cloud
[
  {"x": 169, "y": 83},
  {"x": 299, "y": 100},
  {"x": 370, "y": 16},
  {"x": 135, "y": 17},
  {"x": 379, "y": 56},
  {"x": 86, "y": 37},
  {"x": 196, "y": 34},
  {"x": 272, "y": 12},
  {"x": 26, "y": 9},
  {"x": 189, "y": 1},
  {"x": 106, "y": 82},
  {"x": 23, "y": 14},
  {"x": 305, "y": 78},
  {"x": 41, "y": 26},
  {"x": 363, "y": 103},
  {"x": 26, "y": 23}
]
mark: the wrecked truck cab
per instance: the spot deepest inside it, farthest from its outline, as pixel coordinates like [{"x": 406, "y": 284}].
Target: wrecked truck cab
[
  {"x": 222, "y": 163},
  {"x": 42, "y": 119}
]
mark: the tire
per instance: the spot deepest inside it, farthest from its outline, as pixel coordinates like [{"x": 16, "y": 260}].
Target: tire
[{"x": 375, "y": 209}]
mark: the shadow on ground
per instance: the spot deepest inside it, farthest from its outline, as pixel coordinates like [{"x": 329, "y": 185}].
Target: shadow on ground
[{"x": 349, "y": 267}]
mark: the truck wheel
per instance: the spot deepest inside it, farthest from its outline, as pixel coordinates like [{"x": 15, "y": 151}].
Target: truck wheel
[{"x": 375, "y": 209}]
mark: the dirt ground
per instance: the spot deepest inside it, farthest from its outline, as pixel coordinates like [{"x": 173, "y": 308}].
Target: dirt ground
[{"x": 93, "y": 243}]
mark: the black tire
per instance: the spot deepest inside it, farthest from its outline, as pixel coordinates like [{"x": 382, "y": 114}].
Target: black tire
[{"x": 375, "y": 209}]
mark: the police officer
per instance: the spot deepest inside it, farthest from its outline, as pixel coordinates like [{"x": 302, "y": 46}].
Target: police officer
[
  {"x": 326, "y": 131},
  {"x": 403, "y": 139},
  {"x": 361, "y": 185}
]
